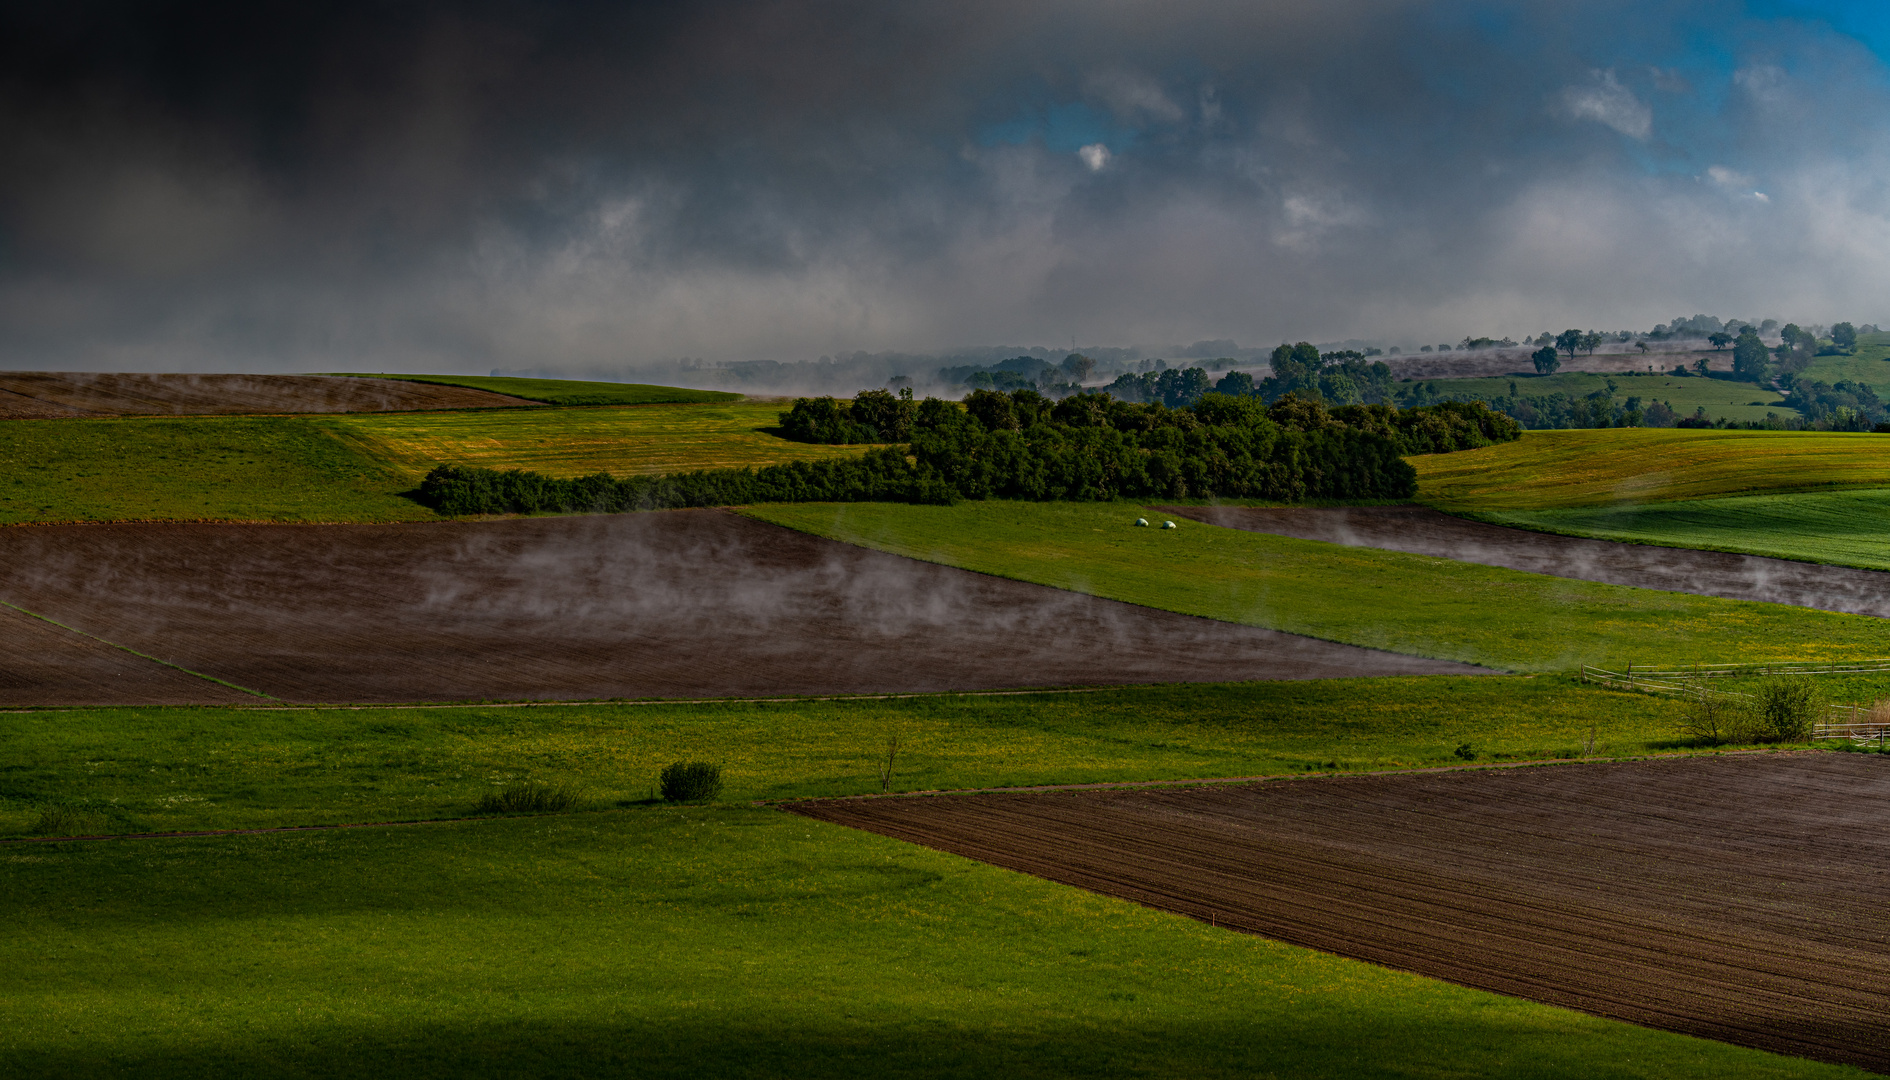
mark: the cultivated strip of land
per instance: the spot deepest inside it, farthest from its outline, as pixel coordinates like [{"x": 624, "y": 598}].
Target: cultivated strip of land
[
  {"x": 1736, "y": 898},
  {"x": 674, "y": 604},
  {"x": 1423, "y": 531},
  {"x": 61, "y": 394}
]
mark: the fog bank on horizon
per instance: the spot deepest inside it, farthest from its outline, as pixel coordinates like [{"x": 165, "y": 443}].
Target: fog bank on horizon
[{"x": 586, "y": 187}]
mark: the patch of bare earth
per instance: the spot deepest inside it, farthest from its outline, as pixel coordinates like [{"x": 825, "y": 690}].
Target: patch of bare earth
[
  {"x": 689, "y": 603},
  {"x": 1423, "y": 531},
  {"x": 43, "y": 664},
  {"x": 1738, "y": 898},
  {"x": 44, "y": 395}
]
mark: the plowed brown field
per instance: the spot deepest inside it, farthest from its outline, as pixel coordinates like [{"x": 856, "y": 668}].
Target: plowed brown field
[
  {"x": 53, "y": 395},
  {"x": 1739, "y": 898},
  {"x": 1423, "y": 531},
  {"x": 41, "y": 663},
  {"x": 676, "y": 604}
]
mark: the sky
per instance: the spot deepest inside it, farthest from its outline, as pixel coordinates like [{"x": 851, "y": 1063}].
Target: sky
[{"x": 364, "y": 186}]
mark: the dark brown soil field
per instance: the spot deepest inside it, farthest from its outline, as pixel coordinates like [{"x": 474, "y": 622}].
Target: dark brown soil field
[
  {"x": 41, "y": 663},
  {"x": 1739, "y": 898},
  {"x": 54, "y": 395},
  {"x": 1424, "y": 531},
  {"x": 693, "y": 603}
]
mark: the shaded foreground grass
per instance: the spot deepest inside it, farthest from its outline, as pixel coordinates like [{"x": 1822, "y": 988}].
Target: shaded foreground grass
[
  {"x": 576, "y": 442},
  {"x": 1719, "y": 397},
  {"x": 706, "y": 942},
  {"x": 137, "y": 770},
  {"x": 567, "y": 391},
  {"x": 1411, "y": 604},
  {"x": 1555, "y": 469},
  {"x": 200, "y": 468},
  {"x": 1844, "y": 528}
]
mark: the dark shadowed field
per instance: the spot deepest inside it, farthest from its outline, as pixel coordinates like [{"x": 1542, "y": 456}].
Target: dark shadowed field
[
  {"x": 54, "y": 395},
  {"x": 1739, "y": 898},
  {"x": 1423, "y": 531},
  {"x": 42, "y": 663},
  {"x": 676, "y": 604}
]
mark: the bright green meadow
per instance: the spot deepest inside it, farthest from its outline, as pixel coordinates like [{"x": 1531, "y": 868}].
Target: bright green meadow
[
  {"x": 166, "y": 769},
  {"x": 706, "y": 942},
  {"x": 199, "y": 468},
  {"x": 1413, "y": 604},
  {"x": 1684, "y": 393},
  {"x": 1847, "y": 528},
  {"x": 566, "y": 391},
  {"x": 1869, "y": 364}
]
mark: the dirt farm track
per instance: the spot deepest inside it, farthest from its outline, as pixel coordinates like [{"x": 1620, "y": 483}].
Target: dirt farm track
[
  {"x": 689, "y": 603},
  {"x": 1739, "y": 898}
]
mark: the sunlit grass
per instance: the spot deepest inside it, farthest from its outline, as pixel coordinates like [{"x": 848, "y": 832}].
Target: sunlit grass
[
  {"x": 1412, "y": 604},
  {"x": 1554, "y": 469}
]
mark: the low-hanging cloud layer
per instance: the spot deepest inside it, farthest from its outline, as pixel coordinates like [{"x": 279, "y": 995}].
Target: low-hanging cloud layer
[{"x": 577, "y": 185}]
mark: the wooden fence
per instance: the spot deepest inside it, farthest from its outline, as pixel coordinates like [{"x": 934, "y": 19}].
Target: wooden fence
[{"x": 1850, "y": 721}]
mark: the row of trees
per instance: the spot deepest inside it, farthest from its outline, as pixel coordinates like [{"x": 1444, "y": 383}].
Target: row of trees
[{"x": 1023, "y": 445}]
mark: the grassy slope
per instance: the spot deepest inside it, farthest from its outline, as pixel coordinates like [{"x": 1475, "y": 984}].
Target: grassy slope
[
  {"x": 350, "y": 468},
  {"x": 567, "y": 391},
  {"x": 1846, "y": 528},
  {"x": 213, "y": 468},
  {"x": 705, "y": 942},
  {"x": 1719, "y": 397},
  {"x": 1406, "y": 603},
  {"x": 1866, "y": 365},
  {"x": 1555, "y": 469},
  {"x": 135, "y": 770},
  {"x": 623, "y": 441}
]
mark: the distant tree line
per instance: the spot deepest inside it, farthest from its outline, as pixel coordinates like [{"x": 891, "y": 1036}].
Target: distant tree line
[{"x": 1022, "y": 445}]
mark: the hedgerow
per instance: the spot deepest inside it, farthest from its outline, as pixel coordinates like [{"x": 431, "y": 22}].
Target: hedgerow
[{"x": 1024, "y": 446}]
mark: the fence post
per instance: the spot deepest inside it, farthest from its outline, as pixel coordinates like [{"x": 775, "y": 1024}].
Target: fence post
[{"x": 1630, "y": 675}]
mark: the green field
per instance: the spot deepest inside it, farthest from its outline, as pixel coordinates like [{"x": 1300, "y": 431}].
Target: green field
[
  {"x": 352, "y": 468},
  {"x": 1556, "y": 469},
  {"x": 139, "y": 770},
  {"x": 726, "y": 940},
  {"x": 203, "y": 468},
  {"x": 1844, "y": 528},
  {"x": 567, "y": 391},
  {"x": 1719, "y": 397},
  {"x": 723, "y": 942},
  {"x": 575, "y": 442},
  {"x": 1869, "y": 364},
  {"x": 1411, "y": 604}
]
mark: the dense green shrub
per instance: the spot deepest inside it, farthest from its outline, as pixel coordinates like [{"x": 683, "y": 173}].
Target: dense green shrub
[
  {"x": 1787, "y": 708},
  {"x": 691, "y": 781}
]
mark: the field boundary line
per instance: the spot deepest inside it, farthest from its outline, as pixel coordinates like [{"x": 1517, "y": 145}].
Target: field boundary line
[
  {"x": 134, "y": 652},
  {"x": 1324, "y": 774},
  {"x": 190, "y": 833}
]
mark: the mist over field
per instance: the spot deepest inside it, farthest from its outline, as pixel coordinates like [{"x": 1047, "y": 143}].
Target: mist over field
[{"x": 611, "y": 189}]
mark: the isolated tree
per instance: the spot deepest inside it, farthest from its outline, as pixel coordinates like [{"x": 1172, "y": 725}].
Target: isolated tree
[
  {"x": 1720, "y": 339},
  {"x": 1844, "y": 336},
  {"x": 1591, "y": 341},
  {"x": 1077, "y": 367},
  {"x": 1546, "y": 360},
  {"x": 1568, "y": 341},
  {"x": 1643, "y": 347},
  {"x": 1701, "y": 366},
  {"x": 1749, "y": 358}
]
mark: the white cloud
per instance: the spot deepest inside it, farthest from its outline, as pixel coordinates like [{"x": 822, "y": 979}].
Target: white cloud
[
  {"x": 1606, "y": 101},
  {"x": 1133, "y": 96},
  {"x": 1095, "y": 155},
  {"x": 1765, "y": 84}
]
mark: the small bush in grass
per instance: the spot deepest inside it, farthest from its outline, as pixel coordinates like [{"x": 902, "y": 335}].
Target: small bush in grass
[
  {"x": 1712, "y": 718},
  {"x": 691, "y": 781},
  {"x": 1788, "y": 706},
  {"x": 528, "y": 797},
  {"x": 61, "y": 820}
]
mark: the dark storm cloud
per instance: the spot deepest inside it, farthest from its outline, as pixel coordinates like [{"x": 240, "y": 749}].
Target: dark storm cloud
[{"x": 475, "y": 185}]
